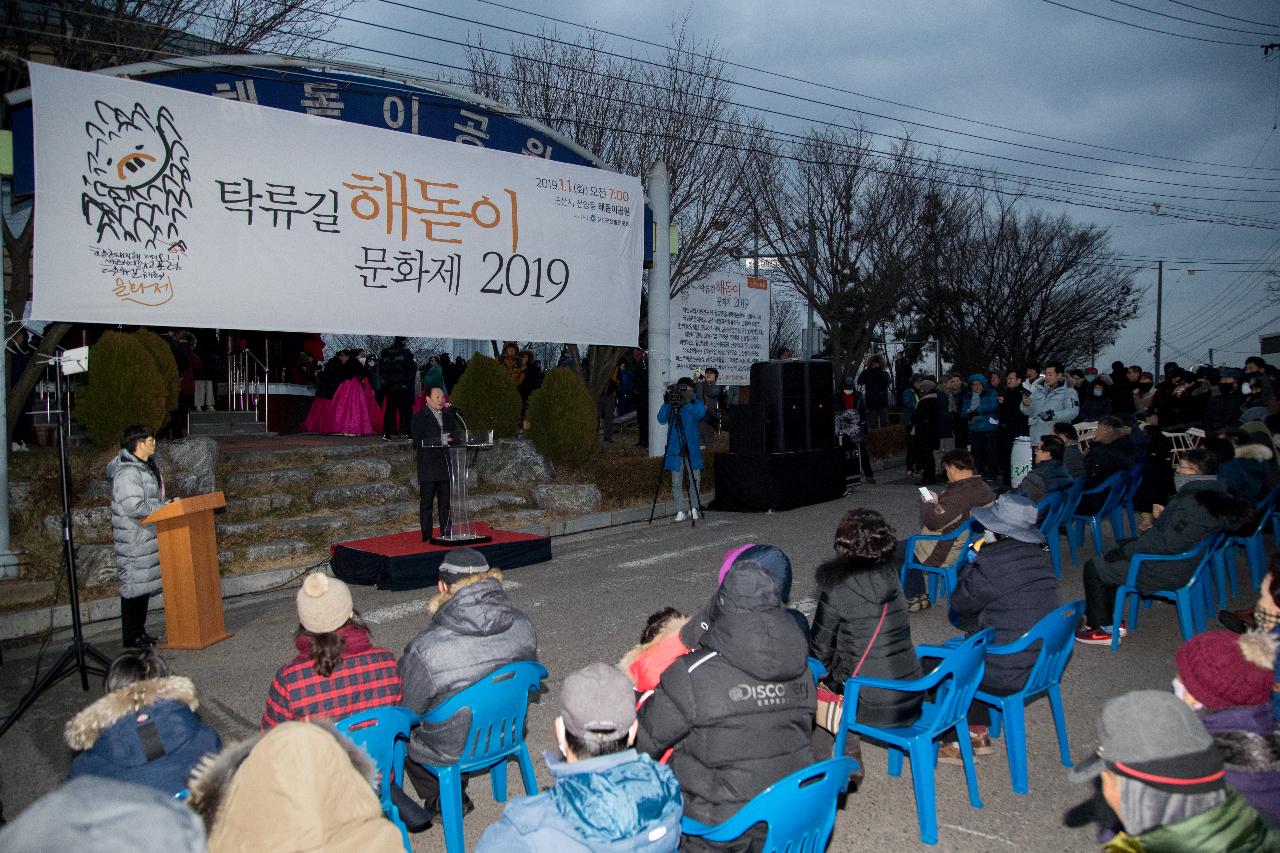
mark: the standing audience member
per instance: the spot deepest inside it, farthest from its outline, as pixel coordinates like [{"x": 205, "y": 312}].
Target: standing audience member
[
  {"x": 1009, "y": 586},
  {"x": 907, "y": 399},
  {"x": 1165, "y": 780},
  {"x": 739, "y": 708},
  {"x": 144, "y": 730},
  {"x": 1048, "y": 401},
  {"x": 925, "y": 425},
  {"x": 1072, "y": 455},
  {"x": 474, "y": 630},
  {"x": 1097, "y": 402},
  {"x": 606, "y": 796},
  {"x": 1226, "y": 679},
  {"x": 943, "y": 513},
  {"x": 338, "y": 670},
  {"x": 1201, "y": 508},
  {"x": 875, "y": 381},
  {"x": 640, "y": 379},
  {"x": 1013, "y": 423},
  {"x": 299, "y": 786},
  {"x": 850, "y": 412},
  {"x": 137, "y": 490},
  {"x": 531, "y": 378},
  {"x": 1124, "y": 380},
  {"x": 682, "y": 438},
  {"x": 607, "y": 403},
  {"x": 1047, "y": 473},
  {"x": 397, "y": 367},
  {"x": 712, "y": 395},
  {"x": 861, "y": 619},
  {"x": 980, "y": 409},
  {"x": 953, "y": 428},
  {"x": 1260, "y": 385},
  {"x": 1226, "y": 406}
]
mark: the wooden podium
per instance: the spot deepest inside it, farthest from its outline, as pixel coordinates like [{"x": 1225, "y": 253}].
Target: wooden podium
[{"x": 189, "y": 573}]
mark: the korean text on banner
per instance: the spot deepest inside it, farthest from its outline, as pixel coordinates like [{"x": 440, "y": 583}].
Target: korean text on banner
[
  {"x": 721, "y": 322},
  {"x": 161, "y": 207}
]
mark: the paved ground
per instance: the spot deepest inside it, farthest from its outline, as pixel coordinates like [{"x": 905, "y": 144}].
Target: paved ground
[{"x": 589, "y": 604}]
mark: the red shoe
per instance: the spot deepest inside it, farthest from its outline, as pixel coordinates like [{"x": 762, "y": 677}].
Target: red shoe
[{"x": 1098, "y": 636}]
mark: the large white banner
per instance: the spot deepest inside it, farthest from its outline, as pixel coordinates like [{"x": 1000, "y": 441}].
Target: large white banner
[
  {"x": 161, "y": 207},
  {"x": 721, "y": 322}
]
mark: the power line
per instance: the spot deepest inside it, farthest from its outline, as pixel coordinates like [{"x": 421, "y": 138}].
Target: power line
[
  {"x": 1190, "y": 20},
  {"x": 1150, "y": 29},
  {"x": 1221, "y": 14}
]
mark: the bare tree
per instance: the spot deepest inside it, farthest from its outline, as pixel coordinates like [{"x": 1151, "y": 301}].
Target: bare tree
[
  {"x": 1002, "y": 287},
  {"x": 422, "y": 348},
  {"x": 88, "y": 36},
  {"x": 785, "y": 325}
]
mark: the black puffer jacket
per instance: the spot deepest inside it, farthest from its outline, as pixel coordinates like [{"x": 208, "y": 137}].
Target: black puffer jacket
[
  {"x": 1199, "y": 509},
  {"x": 852, "y": 594},
  {"x": 1101, "y": 462},
  {"x": 474, "y": 630},
  {"x": 1010, "y": 586},
  {"x": 739, "y": 708}
]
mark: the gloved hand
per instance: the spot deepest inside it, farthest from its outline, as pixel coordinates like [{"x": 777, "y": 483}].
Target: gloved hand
[{"x": 1047, "y": 416}]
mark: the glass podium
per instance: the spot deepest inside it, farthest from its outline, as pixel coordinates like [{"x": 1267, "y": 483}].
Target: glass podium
[{"x": 462, "y": 529}]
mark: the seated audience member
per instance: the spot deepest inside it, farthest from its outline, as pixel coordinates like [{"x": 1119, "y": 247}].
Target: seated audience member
[
  {"x": 774, "y": 561},
  {"x": 861, "y": 619},
  {"x": 298, "y": 786},
  {"x": 145, "y": 730},
  {"x": 1112, "y": 452},
  {"x": 606, "y": 796},
  {"x": 1164, "y": 779},
  {"x": 338, "y": 671},
  {"x": 1226, "y": 679},
  {"x": 1251, "y": 471},
  {"x": 1201, "y": 508},
  {"x": 740, "y": 706},
  {"x": 660, "y": 645},
  {"x": 943, "y": 513},
  {"x": 1010, "y": 586},
  {"x": 474, "y": 630},
  {"x": 1072, "y": 455},
  {"x": 1047, "y": 473},
  {"x": 95, "y": 814}
]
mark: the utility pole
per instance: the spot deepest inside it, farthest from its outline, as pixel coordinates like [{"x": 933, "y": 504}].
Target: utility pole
[
  {"x": 659, "y": 306},
  {"x": 813, "y": 287},
  {"x": 1159, "y": 310},
  {"x": 1211, "y": 356}
]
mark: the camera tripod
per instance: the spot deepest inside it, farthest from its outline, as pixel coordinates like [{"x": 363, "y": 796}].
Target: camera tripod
[{"x": 686, "y": 468}]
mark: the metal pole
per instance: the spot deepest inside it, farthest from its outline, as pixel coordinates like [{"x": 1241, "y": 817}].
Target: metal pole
[
  {"x": 8, "y": 558},
  {"x": 813, "y": 267},
  {"x": 1159, "y": 310},
  {"x": 659, "y": 308}
]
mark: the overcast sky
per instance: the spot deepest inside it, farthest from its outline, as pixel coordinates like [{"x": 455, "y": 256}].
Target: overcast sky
[{"x": 1035, "y": 68}]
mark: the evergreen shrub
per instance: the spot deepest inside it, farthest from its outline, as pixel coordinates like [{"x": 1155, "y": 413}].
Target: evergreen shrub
[
  {"x": 158, "y": 348},
  {"x": 562, "y": 418},
  {"x": 124, "y": 387},
  {"x": 488, "y": 397}
]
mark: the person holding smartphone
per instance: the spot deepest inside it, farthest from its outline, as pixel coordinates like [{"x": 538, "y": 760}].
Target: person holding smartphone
[{"x": 1047, "y": 401}]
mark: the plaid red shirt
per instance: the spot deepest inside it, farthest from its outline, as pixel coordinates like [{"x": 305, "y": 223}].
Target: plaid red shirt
[{"x": 366, "y": 678}]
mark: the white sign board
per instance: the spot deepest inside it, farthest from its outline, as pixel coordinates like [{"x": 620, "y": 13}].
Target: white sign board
[
  {"x": 161, "y": 207},
  {"x": 721, "y": 322}
]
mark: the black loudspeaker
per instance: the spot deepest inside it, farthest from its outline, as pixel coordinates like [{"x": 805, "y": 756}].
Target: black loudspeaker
[
  {"x": 797, "y": 398},
  {"x": 747, "y": 424}
]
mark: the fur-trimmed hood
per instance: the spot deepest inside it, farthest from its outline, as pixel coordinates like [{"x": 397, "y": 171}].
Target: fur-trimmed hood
[
  {"x": 438, "y": 600},
  {"x": 83, "y": 730},
  {"x": 839, "y": 569},
  {"x": 1238, "y": 516},
  {"x": 1259, "y": 648},
  {"x": 299, "y": 786},
  {"x": 1255, "y": 452},
  {"x": 671, "y": 625}
]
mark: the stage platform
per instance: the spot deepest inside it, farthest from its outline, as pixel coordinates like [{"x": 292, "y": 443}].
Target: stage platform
[{"x": 403, "y": 561}]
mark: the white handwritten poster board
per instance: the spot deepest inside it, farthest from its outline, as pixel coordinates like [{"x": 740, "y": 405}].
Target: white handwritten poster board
[
  {"x": 162, "y": 207},
  {"x": 721, "y": 322}
]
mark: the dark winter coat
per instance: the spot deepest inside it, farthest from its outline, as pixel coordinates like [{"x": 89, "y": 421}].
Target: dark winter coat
[
  {"x": 146, "y": 732},
  {"x": 1073, "y": 459},
  {"x": 927, "y": 420},
  {"x": 1200, "y": 509},
  {"x": 1122, "y": 402},
  {"x": 740, "y": 707},
  {"x": 432, "y": 459},
  {"x": 1043, "y": 478},
  {"x": 137, "y": 490},
  {"x": 1009, "y": 586},
  {"x": 853, "y": 593},
  {"x": 1252, "y": 473},
  {"x": 1092, "y": 406},
  {"x": 1157, "y": 472},
  {"x": 1102, "y": 461},
  {"x": 1250, "y": 746},
  {"x": 397, "y": 368},
  {"x": 474, "y": 630},
  {"x": 875, "y": 382},
  {"x": 1009, "y": 411},
  {"x": 1223, "y": 411},
  {"x": 985, "y": 416}
]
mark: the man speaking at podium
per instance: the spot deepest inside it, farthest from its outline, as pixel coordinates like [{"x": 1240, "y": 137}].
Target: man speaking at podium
[{"x": 433, "y": 428}]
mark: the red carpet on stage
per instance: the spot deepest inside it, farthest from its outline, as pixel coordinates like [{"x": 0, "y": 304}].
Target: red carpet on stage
[{"x": 404, "y": 561}]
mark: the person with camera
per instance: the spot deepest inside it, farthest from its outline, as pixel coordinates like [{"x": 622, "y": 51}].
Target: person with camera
[
  {"x": 682, "y": 411},
  {"x": 1047, "y": 400}
]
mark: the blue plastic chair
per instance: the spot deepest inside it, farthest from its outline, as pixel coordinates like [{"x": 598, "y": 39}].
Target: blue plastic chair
[
  {"x": 384, "y": 734},
  {"x": 948, "y": 574},
  {"x": 798, "y": 810},
  {"x": 1136, "y": 474},
  {"x": 818, "y": 671},
  {"x": 1068, "y": 509},
  {"x": 1050, "y": 512},
  {"x": 1056, "y": 635},
  {"x": 1255, "y": 551},
  {"x": 1193, "y": 600},
  {"x": 498, "y": 703},
  {"x": 954, "y": 681},
  {"x": 1114, "y": 489}
]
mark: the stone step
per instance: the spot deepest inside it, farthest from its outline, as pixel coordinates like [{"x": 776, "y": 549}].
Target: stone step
[
  {"x": 350, "y": 494},
  {"x": 268, "y": 478},
  {"x": 382, "y": 513},
  {"x": 88, "y": 525},
  {"x": 277, "y": 549},
  {"x": 222, "y": 417},
  {"x": 236, "y": 428},
  {"x": 314, "y": 523},
  {"x": 254, "y": 505}
]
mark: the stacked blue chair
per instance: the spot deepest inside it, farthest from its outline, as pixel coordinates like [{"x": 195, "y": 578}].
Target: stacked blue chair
[
  {"x": 954, "y": 682},
  {"x": 1050, "y": 512},
  {"x": 1056, "y": 634},
  {"x": 1194, "y": 600},
  {"x": 1069, "y": 505},
  {"x": 799, "y": 810},
  {"x": 948, "y": 574},
  {"x": 1131, "y": 492},
  {"x": 1255, "y": 550},
  {"x": 1114, "y": 490},
  {"x": 498, "y": 704},
  {"x": 818, "y": 671},
  {"x": 384, "y": 734}
]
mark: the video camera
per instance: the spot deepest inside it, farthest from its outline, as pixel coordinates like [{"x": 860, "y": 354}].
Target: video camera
[{"x": 673, "y": 396}]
